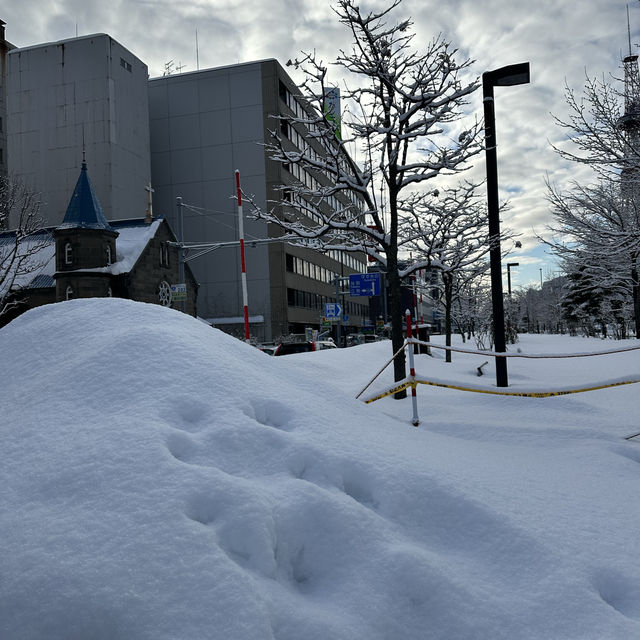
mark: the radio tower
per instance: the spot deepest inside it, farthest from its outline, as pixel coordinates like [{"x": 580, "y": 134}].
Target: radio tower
[{"x": 629, "y": 123}]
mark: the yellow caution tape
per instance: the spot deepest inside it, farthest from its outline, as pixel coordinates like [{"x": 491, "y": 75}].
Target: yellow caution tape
[
  {"x": 522, "y": 394},
  {"x": 391, "y": 391},
  {"x": 527, "y": 394}
]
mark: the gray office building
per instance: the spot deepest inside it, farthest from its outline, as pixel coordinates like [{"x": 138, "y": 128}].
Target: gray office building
[
  {"x": 5, "y": 47},
  {"x": 83, "y": 93},
  {"x": 205, "y": 125}
]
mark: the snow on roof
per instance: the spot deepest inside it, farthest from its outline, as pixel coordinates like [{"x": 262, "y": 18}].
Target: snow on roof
[
  {"x": 134, "y": 235},
  {"x": 41, "y": 263}
]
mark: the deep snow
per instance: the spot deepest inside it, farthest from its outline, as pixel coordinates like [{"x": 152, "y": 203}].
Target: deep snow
[{"x": 162, "y": 480}]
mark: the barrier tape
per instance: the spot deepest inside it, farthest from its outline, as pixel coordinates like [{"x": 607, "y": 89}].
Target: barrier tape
[
  {"x": 413, "y": 382},
  {"x": 522, "y": 394},
  {"x": 527, "y": 394},
  {"x": 390, "y": 392}
]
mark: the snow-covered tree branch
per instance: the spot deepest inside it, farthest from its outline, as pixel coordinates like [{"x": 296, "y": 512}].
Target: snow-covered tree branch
[
  {"x": 19, "y": 247},
  {"x": 403, "y": 114}
]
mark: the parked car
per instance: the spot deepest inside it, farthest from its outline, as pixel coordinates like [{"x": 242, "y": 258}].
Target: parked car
[
  {"x": 269, "y": 349},
  {"x": 287, "y": 348}
]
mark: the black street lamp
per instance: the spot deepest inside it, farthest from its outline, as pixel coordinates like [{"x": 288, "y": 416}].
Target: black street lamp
[
  {"x": 504, "y": 77},
  {"x": 509, "y": 265}
]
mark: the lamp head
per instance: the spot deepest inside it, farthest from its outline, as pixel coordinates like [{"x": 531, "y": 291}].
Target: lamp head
[{"x": 507, "y": 76}]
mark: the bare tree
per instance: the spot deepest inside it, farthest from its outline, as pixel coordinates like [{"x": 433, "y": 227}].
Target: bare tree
[
  {"x": 402, "y": 114},
  {"x": 19, "y": 247},
  {"x": 597, "y": 232},
  {"x": 448, "y": 229},
  {"x": 599, "y": 223}
]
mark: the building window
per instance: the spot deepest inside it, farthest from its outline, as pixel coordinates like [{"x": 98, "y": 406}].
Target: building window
[
  {"x": 164, "y": 254},
  {"x": 69, "y": 293},
  {"x": 164, "y": 294},
  {"x": 68, "y": 253},
  {"x": 125, "y": 65},
  {"x": 109, "y": 292},
  {"x": 109, "y": 257}
]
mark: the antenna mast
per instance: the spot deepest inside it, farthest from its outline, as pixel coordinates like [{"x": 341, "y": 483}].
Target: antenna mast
[{"x": 629, "y": 123}]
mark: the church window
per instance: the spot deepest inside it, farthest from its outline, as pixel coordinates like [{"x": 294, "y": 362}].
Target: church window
[
  {"x": 69, "y": 293},
  {"x": 164, "y": 294},
  {"x": 68, "y": 253},
  {"x": 109, "y": 258},
  {"x": 164, "y": 254}
]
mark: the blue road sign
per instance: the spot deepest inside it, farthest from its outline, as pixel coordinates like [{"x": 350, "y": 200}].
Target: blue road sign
[
  {"x": 332, "y": 310},
  {"x": 364, "y": 284}
]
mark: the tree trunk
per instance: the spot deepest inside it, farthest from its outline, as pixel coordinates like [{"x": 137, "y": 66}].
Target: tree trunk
[
  {"x": 396, "y": 313},
  {"x": 635, "y": 288},
  {"x": 448, "y": 303}
]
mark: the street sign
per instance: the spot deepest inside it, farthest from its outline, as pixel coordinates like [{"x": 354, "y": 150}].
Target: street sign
[
  {"x": 332, "y": 310},
  {"x": 345, "y": 319},
  {"x": 364, "y": 284},
  {"x": 178, "y": 292}
]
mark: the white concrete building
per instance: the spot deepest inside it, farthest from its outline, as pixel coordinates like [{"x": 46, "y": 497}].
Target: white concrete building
[{"x": 87, "y": 92}]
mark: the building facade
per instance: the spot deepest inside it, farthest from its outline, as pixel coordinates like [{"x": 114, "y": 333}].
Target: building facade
[
  {"x": 205, "y": 125},
  {"x": 87, "y": 93},
  {"x": 87, "y": 256},
  {"x": 5, "y": 47},
  {"x": 181, "y": 135}
]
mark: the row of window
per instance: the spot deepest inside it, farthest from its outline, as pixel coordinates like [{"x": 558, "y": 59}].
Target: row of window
[
  {"x": 309, "y": 300},
  {"x": 299, "y": 140},
  {"x": 69, "y": 254},
  {"x": 304, "y": 176},
  {"x": 309, "y": 269},
  {"x": 70, "y": 294}
]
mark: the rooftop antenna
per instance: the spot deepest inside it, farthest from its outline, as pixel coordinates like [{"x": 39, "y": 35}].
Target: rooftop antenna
[
  {"x": 629, "y": 30},
  {"x": 198, "y": 56}
]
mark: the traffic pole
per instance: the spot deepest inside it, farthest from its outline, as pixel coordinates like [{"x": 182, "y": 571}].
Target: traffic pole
[
  {"x": 245, "y": 303},
  {"x": 415, "y": 421}
]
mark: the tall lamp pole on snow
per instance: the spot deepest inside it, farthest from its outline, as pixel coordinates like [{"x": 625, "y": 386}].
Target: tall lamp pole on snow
[
  {"x": 504, "y": 77},
  {"x": 509, "y": 265}
]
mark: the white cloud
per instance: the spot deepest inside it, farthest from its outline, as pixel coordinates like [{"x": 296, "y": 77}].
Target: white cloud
[{"x": 560, "y": 39}]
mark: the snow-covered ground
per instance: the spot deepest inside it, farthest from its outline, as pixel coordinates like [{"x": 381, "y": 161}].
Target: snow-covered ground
[{"x": 164, "y": 481}]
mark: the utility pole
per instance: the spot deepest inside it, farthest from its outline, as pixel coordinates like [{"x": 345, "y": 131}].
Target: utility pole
[
  {"x": 245, "y": 303},
  {"x": 180, "y": 232}
]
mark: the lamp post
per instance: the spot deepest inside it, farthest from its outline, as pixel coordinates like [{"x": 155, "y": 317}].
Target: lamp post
[
  {"x": 504, "y": 77},
  {"x": 509, "y": 265},
  {"x": 540, "y": 278}
]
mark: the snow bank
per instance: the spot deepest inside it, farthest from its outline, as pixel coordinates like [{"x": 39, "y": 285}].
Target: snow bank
[{"x": 163, "y": 480}]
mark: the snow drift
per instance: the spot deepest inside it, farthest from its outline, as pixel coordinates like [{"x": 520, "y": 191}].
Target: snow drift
[{"x": 162, "y": 480}]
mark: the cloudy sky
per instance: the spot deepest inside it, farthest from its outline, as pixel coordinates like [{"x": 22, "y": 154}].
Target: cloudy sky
[{"x": 562, "y": 39}]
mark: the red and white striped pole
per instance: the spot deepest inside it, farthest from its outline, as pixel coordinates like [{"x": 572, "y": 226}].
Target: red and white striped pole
[
  {"x": 245, "y": 302},
  {"x": 415, "y": 421}
]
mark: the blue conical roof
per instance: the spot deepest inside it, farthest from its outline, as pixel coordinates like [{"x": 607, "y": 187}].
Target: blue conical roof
[{"x": 84, "y": 210}]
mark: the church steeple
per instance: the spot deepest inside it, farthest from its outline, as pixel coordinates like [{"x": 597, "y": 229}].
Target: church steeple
[
  {"x": 85, "y": 245},
  {"x": 84, "y": 210}
]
